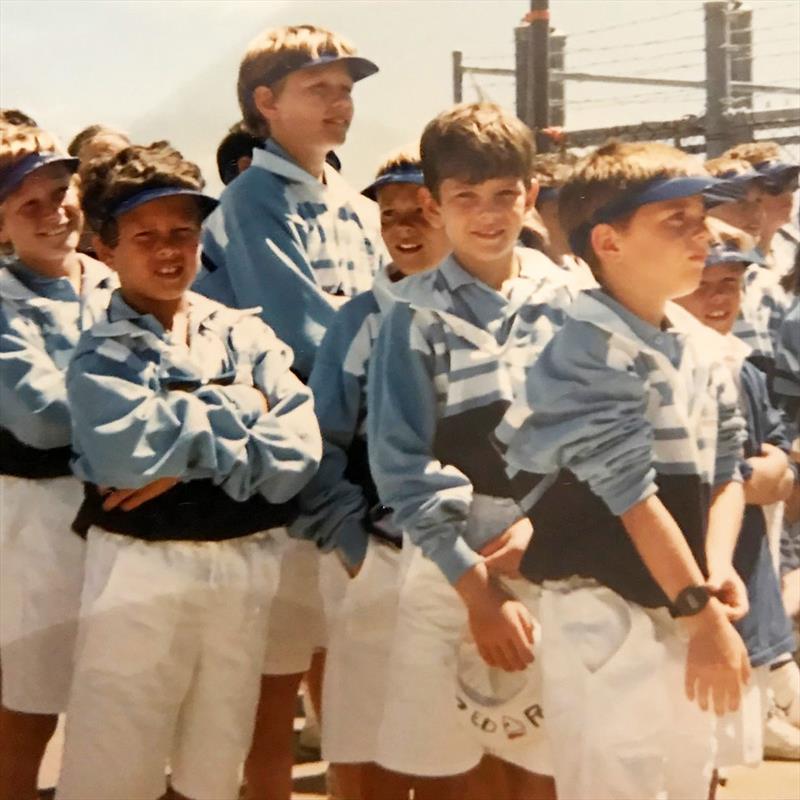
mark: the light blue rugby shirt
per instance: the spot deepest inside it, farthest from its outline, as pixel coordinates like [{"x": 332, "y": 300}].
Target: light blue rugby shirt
[
  {"x": 284, "y": 241},
  {"x": 453, "y": 345},
  {"x": 41, "y": 320},
  {"x": 148, "y": 407},
  {"x": 787, "y": 367},
  {"x": 616, "y": 400},
  {"x": 764, "y": 305},
  {"x": 332, "y": 508}
]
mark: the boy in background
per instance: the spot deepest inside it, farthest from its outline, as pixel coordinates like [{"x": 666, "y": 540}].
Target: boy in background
[{"x": 48, "y": 294}]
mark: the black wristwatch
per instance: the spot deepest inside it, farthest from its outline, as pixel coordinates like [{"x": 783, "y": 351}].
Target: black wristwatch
[{"x": 690, "y": 601}]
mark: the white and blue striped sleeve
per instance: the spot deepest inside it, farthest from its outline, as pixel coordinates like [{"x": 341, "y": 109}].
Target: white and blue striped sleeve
[
  {"x": 580, "y": 413},
  {"x": 332, "y": 508},
  {"x": 33, "y": 394},
  {"x": 731, "y": 427},
  {"x": 128, "y": 431},
  {"x": 284, "y": 446},
  {"x": 431, "y": 501}
]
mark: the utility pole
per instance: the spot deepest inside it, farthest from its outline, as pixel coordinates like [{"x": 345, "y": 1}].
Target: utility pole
[
  {"x": 557, "y": 63},
  {"x": 740, "y": 27},
  {"x": 718, "y": 78},
  {"x": 458, "y": 76},
  {"x": 539, "y": 20}
]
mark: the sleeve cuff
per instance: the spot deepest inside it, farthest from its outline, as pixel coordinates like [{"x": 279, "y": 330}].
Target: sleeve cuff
[
  {"x": 726, "y": 470},
  {"x": 624, "y": 501},
  {"x": 455, "y": 559}
]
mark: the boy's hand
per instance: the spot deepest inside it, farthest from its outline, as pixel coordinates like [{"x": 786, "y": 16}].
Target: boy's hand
[
  {"x": 717, "y": 665},
  {"x": 503, "y": 630},
  {"x": 772, "y": 480},
  {"x": 503, "y": 554},
  {"x": 128, "y": 499},
  {"x": 727, "y": 586}
]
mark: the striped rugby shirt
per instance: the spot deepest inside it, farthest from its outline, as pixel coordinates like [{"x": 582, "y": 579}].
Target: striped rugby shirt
[
  {"x": 284, "y": 241},
  {"x": 41, "y": 320},
  {"x": 335, "y": 502},
  {"x": 443, "y": 370},
  {"x": 613, "y": 411},
  {"x": 786, "y": 385},
  {"x": 764, "y": 304},
  {"x": 148, "y": 407}
]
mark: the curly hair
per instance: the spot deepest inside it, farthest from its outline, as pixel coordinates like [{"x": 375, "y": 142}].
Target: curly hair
[
  {"x": 107, "y": 182},
  {"x": 13, "y": 116},
  {"x": 88, "y": 135},
  {"x": 19, "y": 141}
]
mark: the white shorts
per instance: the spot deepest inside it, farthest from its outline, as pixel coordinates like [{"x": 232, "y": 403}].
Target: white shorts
[
  {"x": 615, "y": 708},
  {"x": 421, "y": 732},
  {"x": 309, "y": 586},
  {"x": 357, "y": 664},
  {"x": 41, "y": 573},
  {"x": 167, "y": 666},
  {"x": 740, "y": 734}
]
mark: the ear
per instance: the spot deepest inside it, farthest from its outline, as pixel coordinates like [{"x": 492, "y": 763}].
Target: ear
[
  {"x": 606, "y": 242},
  {"x": 430, "y": 208},
  {"x": 104, "y": 252},
  {"x": 243, "y": 162},
  {"x": 531, "y": 195},
  {"x": 264, "y": 100}
]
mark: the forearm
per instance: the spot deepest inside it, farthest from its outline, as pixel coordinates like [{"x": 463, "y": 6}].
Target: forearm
[
  {"x": 724, "y": 525},
  {"x": 662, "y": 546}
]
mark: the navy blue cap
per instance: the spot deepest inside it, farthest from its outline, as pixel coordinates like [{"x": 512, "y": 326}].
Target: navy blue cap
[
  {"x": 206, "y": 202},
  {"x": 402, "y": 173},
  {"x": 12, "y": 176},
  {"x": 655, "y": 191},
  {"x": 727, "y": 252},
  {"x": 547, "y": 194},
  {"x": 777, "y": 175},
  {"x": 732, "y": 187},
  {"x": 357, "y": 66}
]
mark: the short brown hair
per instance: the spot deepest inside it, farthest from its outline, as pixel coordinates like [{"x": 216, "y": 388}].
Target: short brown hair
[
  {"x": 611, "y": 170},
  {"x": 19, "y": 141},
  {"x": 725, "y": 164},
  {"x": 475, "y": 142},
  {"x": 552, "y": 170},
  {"x": 108, "y": 182},
  {"x": 87, "y": 135},
  {"x": 272, "y": 49},
  {"x": 754, "y": 152}
]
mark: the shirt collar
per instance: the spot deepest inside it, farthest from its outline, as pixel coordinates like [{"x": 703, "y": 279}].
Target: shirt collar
[{"x": 19, "y": 282}]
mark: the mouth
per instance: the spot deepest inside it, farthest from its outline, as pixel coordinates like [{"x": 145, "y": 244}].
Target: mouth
[
  {"x": 717, "y": 316},
  {"x": 57, "y": 233},
  {"x": 169, "y": 272},
  {"x": 489, "y": 235},
  {"x": 409, "y": 249}
]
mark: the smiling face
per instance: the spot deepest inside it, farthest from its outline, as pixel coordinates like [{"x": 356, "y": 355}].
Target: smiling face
[
  {"x": 661, "y": 251},
  {"x": 42, "y": 218},
  {"x": 482, "y": 221},
  {"x": 412, "y": 242},
  {"x": 156, "y": 253},
  {"x": 313, "y": 106},
  {"x": 717, "y": 299}
]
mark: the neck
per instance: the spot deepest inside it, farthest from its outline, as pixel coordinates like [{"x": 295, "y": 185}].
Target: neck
[
  {"x": 68, "y": 266},
  {"x": 644, "y": 305},
  {"x": 165, "y": 311},
  {"x": 309, "y": 158},
  {"x": 494, "y": 272}
]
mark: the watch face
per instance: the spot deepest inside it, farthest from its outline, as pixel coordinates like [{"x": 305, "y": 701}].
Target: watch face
[{"x": 692, "y": 600}]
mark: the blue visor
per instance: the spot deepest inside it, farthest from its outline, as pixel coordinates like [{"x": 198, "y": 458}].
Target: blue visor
[
  {"x": 731, "y": 188},
  {"x": 207, "y": 203},
  {"x": 547, "y": 194},
  {"x": 12, "y": 176},
  {"x": 358, "y": 67},
  {"x": 728, "y": 253},
  {"x": 778, "y": 174},
  {"x": 655, "y": 191},
  {"x": 403, "y": 173}
]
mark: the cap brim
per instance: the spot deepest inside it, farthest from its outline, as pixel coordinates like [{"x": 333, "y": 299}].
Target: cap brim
[
  {"x": 206, "y": 202},
  {"x": 371, "y": 191},
  {"x": 358, "y": 67},
  {"x": 16, "y": 174}
]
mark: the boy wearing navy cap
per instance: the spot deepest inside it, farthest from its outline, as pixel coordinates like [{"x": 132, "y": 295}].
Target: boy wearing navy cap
[
  {"x": 623, "y": 449},
  {"x": 192, "y": 436},
  {"x": 48, "y": 294},
  {"x": 293, "y": 237},
  {"x": 340, "y": 506},
  {"x": 768, "y": 479}
]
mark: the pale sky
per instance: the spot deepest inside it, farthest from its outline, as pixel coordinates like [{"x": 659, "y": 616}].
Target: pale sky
[{"x": 167, "y": 68}]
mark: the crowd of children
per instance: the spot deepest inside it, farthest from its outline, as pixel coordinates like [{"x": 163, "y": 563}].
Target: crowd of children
[{"x": 499, "y": 455}]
